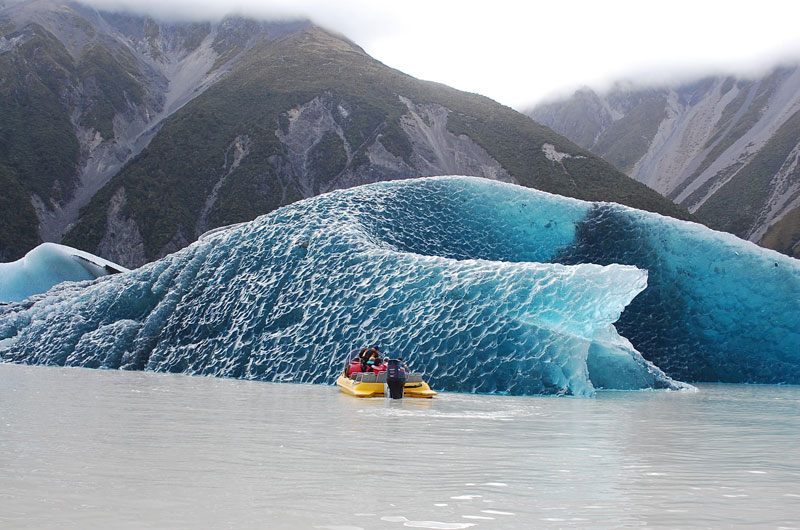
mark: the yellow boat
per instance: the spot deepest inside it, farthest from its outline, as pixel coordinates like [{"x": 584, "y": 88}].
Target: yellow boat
[{"x": 365, "y": 385}]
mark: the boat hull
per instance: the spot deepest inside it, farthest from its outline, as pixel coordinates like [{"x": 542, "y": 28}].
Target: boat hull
[{"x": 360, "y": 389}]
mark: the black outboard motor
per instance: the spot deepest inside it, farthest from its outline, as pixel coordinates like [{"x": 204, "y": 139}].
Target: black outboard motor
[{"x": 395, "y": 377}]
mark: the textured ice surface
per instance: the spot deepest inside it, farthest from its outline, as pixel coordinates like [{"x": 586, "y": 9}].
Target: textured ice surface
[
  {"x": 717, "y": 308},
  {"x": 47, "y": 265},
  {"x": 286, "y": 297},
  {"x": 453, "y": 274}
]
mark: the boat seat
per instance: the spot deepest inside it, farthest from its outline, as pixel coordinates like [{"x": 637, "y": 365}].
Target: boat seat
[
  {"x": 367, "y": 378},
  {"x": 364, "y": 377}
]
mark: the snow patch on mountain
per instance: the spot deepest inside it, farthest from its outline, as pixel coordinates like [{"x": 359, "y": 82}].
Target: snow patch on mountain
[{"x": 553, "y": 155}]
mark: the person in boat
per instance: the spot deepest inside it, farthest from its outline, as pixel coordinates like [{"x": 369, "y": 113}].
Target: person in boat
[
  {"x": 375, "y": 362},
  {"x": 380, "y": 365},
  {"x": 366, "y": 354}
]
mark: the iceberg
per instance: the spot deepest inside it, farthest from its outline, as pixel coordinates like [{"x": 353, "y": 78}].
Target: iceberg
[
  {"x": 47, "y": 265},
  {"x": 717, "y": 308},
  {"x": 484, "y": 286}
]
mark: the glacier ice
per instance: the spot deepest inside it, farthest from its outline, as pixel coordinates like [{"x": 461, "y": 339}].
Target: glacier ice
[
  {"x": 47, "y": 265},
  {"x": 286, "y": 297},
  {"x": 484, "y": 286},
  {"x": 717, "y": 308}
]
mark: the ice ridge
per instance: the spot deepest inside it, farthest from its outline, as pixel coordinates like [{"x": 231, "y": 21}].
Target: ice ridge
[
  {"x": 47, "y": 265},
  {"x": 427, "y": 268},
  {"x": 485, "y": 286}
]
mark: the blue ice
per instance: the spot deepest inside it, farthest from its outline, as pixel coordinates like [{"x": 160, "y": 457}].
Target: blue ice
[
  {"x": 47, "y": 265},
  {"x": 484, "y": 286}
]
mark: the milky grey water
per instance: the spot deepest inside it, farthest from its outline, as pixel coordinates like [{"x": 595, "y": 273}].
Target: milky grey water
[{"x": 105, "y": 449}]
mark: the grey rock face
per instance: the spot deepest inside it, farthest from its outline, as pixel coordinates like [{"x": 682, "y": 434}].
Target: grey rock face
[
  {"x": 122, "y": 238},
  {"x": 434, "y": 149},
  {"x": 165, "y": 64},
  {"x": 236, "y": 152},
  {"x": 699, "y": 142},
  {"x": 437, "y": 151}
]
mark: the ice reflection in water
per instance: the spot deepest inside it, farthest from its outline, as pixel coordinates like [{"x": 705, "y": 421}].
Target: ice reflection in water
[{"x": 83, "y": 448}]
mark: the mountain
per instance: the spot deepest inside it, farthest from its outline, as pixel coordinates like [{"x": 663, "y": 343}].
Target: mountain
[
  {"x": 128, "y": 137},
  {"x": 726, "y": 147}
]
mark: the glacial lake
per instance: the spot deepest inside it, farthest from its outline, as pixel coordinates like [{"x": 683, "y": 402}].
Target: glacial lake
[{"x": 107, "y": 449}]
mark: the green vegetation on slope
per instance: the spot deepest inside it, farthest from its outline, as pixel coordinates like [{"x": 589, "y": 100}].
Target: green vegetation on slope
[
  {"x": 110, "y": 86},
  {"x": 36, "y": 138},
  {"x": 784, "y": 236},
  {"x": 396, "y": 141},
  {"x": 18, "y": 222},
  {"x": 626, "y": 140},
  {"x": 39, "y": 79},
  {"x": 327, "y": 159},
  {"x": 735, "y": 207},
  {"x": 167, "y": 184}
]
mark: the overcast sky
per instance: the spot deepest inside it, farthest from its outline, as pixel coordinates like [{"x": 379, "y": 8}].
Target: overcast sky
[{"x": 519, "y": 52}]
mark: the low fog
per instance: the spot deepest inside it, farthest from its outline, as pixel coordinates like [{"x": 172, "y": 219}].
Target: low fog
[{"x": 519, "y": 54}]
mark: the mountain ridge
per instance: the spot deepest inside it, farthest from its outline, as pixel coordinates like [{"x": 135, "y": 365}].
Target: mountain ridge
[
  {"x": 725, "y": 147},
  {"x": 174, "y": 128}
]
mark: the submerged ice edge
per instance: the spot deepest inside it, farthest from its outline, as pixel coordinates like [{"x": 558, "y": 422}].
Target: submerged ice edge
[
  {"x": 48, "y": 265},
  {"x": 439, "y": 269}
]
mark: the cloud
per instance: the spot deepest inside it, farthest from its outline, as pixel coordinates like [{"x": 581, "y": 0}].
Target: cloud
[
  {"x": 519, "y": 52},
  {"x": 186, "y": 10}
]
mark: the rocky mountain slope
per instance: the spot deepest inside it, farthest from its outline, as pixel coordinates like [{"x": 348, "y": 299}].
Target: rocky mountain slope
[
  {"x": 129, "y": 137},
  {"x": 726, "y": 148},
  {"x": 82, "y": 92}
]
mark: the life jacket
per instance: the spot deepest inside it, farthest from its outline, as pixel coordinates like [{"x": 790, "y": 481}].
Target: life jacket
[
  {"x": 365, "y": 354},
  {"x": 378, "y": 368}
]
